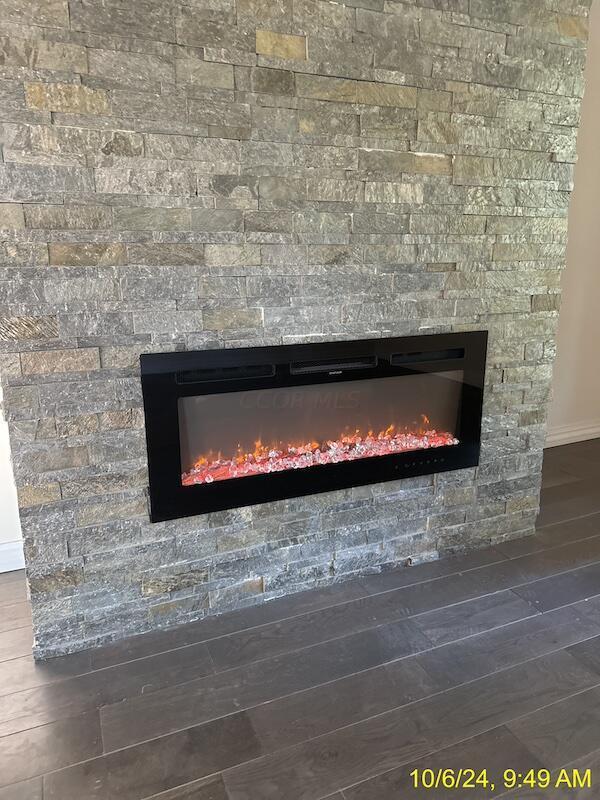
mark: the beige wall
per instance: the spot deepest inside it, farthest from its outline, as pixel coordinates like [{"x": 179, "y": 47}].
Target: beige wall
[
  {"x": 11, "y": 551},
  {"x": 575, "y": 412}
]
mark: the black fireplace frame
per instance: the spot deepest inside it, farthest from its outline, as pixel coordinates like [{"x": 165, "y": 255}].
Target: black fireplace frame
[{"x": 166, "y": 377}]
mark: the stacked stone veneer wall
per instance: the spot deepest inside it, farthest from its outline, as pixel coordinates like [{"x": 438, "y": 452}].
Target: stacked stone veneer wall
[{"x": 215, "y": 173}]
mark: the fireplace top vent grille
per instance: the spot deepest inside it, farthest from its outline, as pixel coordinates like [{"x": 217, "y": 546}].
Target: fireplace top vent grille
[
  {"x": 421, "y": 356},
  {"x": 225, "y": 373},
  {"x": 332, "y": 364}
]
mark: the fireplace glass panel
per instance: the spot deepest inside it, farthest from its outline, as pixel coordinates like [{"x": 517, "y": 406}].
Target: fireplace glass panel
[{"x": 256, "y": 432}]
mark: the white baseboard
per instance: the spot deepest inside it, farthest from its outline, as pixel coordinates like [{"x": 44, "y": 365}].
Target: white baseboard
[
  {"x": 578, "y": 432},
  {"x": 11, "y": 556}
]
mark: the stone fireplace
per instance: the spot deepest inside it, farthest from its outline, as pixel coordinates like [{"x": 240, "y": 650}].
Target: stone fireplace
[{"x": 226, "y": 174}]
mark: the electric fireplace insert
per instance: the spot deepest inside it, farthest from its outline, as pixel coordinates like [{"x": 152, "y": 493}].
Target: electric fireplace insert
[{"x": 228, "y": 428}]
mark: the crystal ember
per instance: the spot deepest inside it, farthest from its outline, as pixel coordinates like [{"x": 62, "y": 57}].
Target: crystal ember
[{"x": 347, "y": 447}]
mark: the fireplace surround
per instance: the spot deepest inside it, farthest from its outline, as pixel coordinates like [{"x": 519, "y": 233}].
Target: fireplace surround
[
  {"x": 224, "y": 174},
  {"x": 237, "y": 427}
]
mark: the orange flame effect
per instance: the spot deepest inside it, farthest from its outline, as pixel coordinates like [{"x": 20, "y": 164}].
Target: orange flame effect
[{"x": 277, "y": 457}]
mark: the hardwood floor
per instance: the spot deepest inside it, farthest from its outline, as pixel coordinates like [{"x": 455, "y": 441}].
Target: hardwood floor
[{"x": 490, "y": 660}]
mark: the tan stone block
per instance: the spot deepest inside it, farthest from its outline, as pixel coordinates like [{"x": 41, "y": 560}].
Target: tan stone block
[
  {"x": 232, "y": 255},
  {"x": 52, "y": 361},
  {"x": 67, "y": 98},
  {"x": 231, "y": 595},
  {"x": 15, "y": 328},
  {"x": 11, "y": 216},
  {"x": 281, "y": 45},
  {"x": 432, "y": 164},
  {"x": 87, "y": 255},
  {"x": 195, "y": 603},
  {"x": 317, "y": 87},
  {"x": 173, "y": 580},
  {"x": 431, "y": 100},
  {"x": 232, "y": 319},
  {"x": 55, "y": 577},
  {"x": 30, "y": 496},
  {"x": 530, "y": 503},
  {"x": 82, "y": 425},
  {"x": 386, "y": 94},
  {"x": 576, "y": 27},
  {"x": 121, "y": 420}
]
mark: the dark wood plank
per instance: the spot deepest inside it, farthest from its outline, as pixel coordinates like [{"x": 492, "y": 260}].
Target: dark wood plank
[
  {"x": 26, "y": 790},
  {"x": 579, "y": 460},
  {"x": 555, "y": 560},
  {"x": 588, "y": 653},
  {"x": 224, "y": 693},
  {"x": 57, "y": 700},
  {"x": 32, "y": 708},
  {"x": 14, "y": 591},
  {"x": 158, "y": 765},
  {"x": 15, "y": 615},
  {"x": 366, "y": 749},
  {"x": 49, "y": 747},
  {"x": 494, "y": 700},
  {"x": 515, "y": 548},
  {"x": 308, "y": 714},
  {"x": 211, "y": 788},
  {"x": 493, "y": 751},
  {"x": 562, "y": 732},
  {"x": 322, "y": 766},
  {"x": 472, "y": 658},
  {"x": 15, "y": 575},
  {"x": 569, "y": 501},
  {"x": 572, "y": 530},
  {"x": 473, "y": 616},
  {"x": 555, "y": 535},
  {"x": 24, "y": 673},
  {"x": 16, "y": 643},
  {"x": 562, "y": 590}
]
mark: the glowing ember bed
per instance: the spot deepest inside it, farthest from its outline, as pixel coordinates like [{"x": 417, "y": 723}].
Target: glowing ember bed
[
  {"x": 237, "y": 427},
  {"x": 347, "y": 447}
]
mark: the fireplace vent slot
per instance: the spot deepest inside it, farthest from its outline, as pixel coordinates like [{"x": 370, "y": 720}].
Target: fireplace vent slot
[
  {"x": 398, "y": 359},
  {"x": 332, "y": 365},
  {"x": 225, "y": 373}
]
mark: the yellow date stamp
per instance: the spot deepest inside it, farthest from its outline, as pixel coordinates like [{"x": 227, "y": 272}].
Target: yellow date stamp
[{"x": 464, "y": 779}]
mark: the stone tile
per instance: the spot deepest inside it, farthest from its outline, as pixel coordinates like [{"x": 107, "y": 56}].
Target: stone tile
[
  {"x": 50, "y": 361},
  {"x": 280, "y": 45},
  {"x": 70, "y": 99}
]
